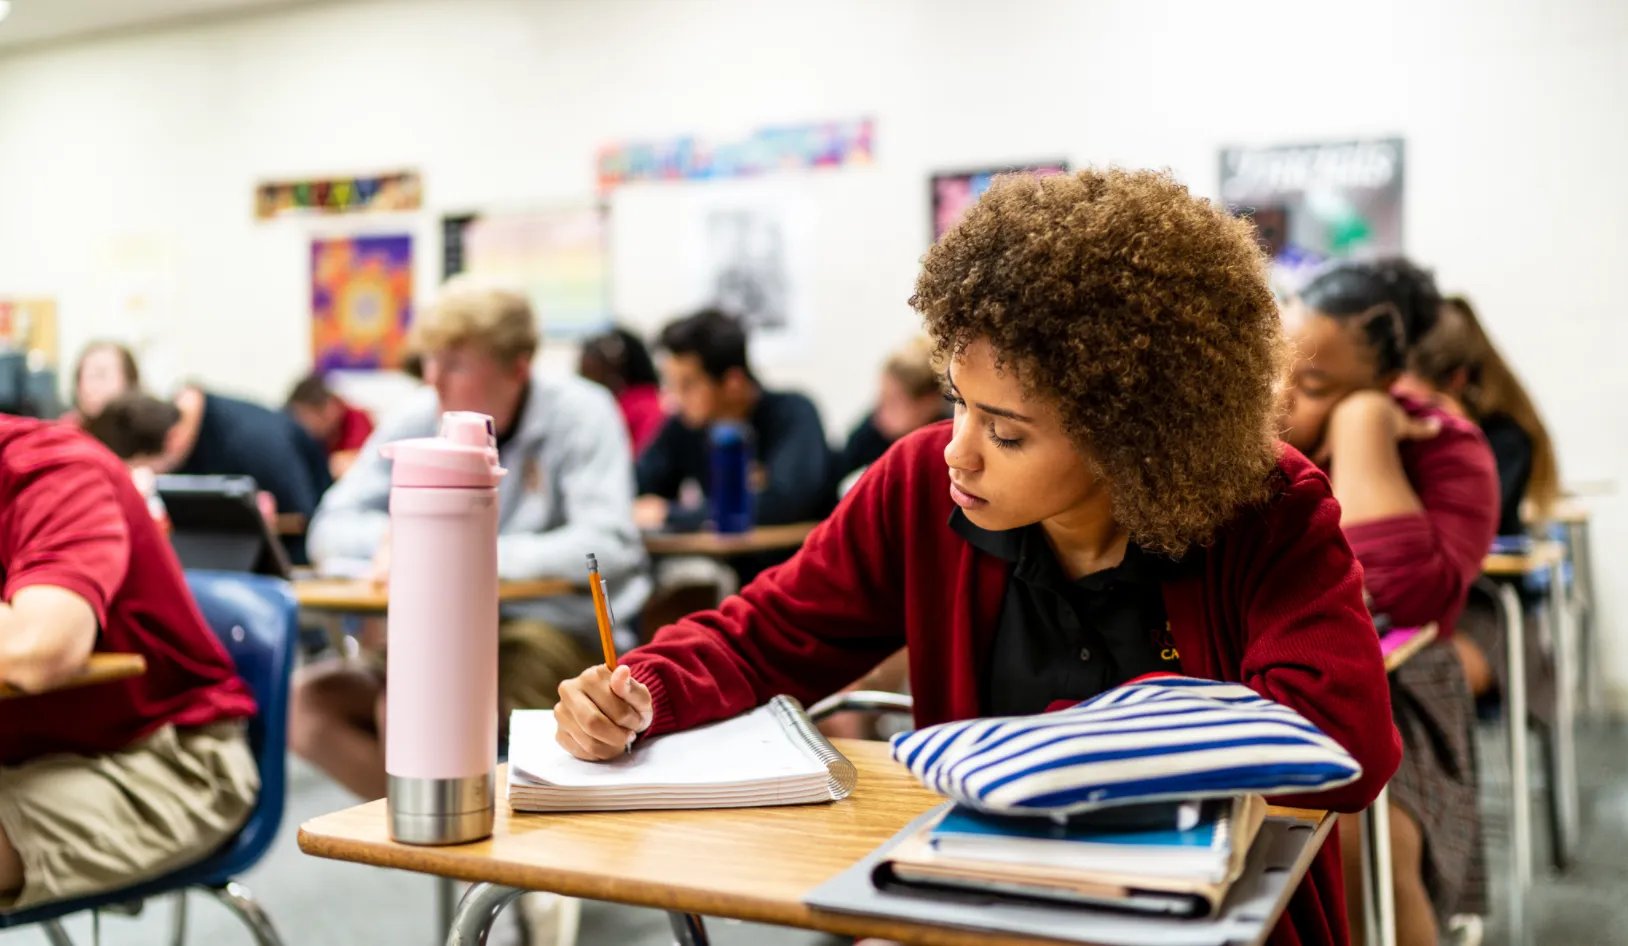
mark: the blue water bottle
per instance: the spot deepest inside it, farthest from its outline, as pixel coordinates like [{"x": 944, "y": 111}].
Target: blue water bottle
[{"x": 731, "y": 490}]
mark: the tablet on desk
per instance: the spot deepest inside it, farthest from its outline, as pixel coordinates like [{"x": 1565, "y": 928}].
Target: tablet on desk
[{"x": 216, "y": 523}]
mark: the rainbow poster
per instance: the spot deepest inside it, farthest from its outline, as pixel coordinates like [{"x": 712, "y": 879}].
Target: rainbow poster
[
  {"x": 558, "y": 257},
  {"x": 361, "y": 301},
  {"x": 357, "y": 193},
  {"x": 831, "y": 144}
]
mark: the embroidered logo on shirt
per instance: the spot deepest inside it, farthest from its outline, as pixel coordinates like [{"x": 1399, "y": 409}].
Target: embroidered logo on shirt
[{"x": 1165, "y": 643}]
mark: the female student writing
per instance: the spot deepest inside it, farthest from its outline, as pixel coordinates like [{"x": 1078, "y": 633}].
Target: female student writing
[
  {"x": 1419, "y": 503},
  {"x": 1110, "y": 500}
]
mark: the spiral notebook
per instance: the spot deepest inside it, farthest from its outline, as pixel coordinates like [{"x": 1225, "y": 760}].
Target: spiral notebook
[{"x": 772, "y": 755}]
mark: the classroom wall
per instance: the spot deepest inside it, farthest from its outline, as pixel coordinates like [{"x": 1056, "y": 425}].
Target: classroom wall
[{"x": 127, "y": 164}]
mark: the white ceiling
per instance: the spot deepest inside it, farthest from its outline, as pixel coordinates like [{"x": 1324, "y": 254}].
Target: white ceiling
[{"x": 45, "y": 21}]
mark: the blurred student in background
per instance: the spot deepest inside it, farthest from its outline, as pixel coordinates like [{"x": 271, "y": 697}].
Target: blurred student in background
[
  {"x": 568, "y": 492},
  {"x": 105, "y": 371},
  {"x": 104, "y": 786},
  {"x": 201, "y": 433},
  {"x": 909, "y": 395},
  {"x": 1419, "y": 504},
  {"x": 1457, "y": 368},
  {"x": 618, "y": 360},
  {"x": 708, "y": 378},
  {"x": 339, "y": 427}
]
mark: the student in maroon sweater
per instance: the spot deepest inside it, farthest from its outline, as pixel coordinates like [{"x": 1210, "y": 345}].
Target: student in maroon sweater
[
  {"x": 1110, "y": 500},
  {"x": 1418, "y": 496}
]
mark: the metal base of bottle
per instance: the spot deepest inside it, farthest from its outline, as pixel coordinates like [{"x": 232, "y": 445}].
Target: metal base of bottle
[{"x": 441, "y": 810}]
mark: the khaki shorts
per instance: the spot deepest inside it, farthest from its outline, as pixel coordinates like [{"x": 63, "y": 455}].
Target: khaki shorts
[
  {"x": 533, "y": 659},
  {"x": 85, "y": 824}
]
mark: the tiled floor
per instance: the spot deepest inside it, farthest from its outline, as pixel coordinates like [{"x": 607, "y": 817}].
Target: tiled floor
[{"x": 316, "y": 902}]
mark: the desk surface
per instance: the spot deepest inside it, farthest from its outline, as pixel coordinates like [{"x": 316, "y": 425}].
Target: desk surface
[
  {"x": 362, "y": 595},
  {"x": 717, "y": 544},
  {"x": 100, "y": 668},
  {"x": 1543, "y": 555},
  {"x": 750, "y": 863},
  {"x": 1400, "y": 645}
]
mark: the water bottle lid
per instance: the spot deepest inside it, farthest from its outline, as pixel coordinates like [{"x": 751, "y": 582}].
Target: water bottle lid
[
  {"x": 727, "y": 433},
  {"x": 464, "y": 455}
]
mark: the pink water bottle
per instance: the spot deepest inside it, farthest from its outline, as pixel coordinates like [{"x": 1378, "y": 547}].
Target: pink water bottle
[{"x": 440, "y": 749}]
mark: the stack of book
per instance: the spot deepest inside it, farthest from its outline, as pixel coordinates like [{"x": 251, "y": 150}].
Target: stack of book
[{"x": 1175, "y": 859}]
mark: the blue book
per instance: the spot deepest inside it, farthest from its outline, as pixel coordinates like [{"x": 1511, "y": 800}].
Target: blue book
[{"x": 1195, "y": 844}]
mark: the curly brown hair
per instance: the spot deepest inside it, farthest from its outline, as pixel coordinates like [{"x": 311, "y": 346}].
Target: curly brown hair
[{"x": 1144, "y": 313}]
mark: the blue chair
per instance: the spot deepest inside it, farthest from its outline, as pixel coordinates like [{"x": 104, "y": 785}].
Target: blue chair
[{"x": 256, "y": 618}]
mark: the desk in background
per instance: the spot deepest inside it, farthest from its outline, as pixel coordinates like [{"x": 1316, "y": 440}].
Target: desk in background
[
  {"x": 100, "y": 668},
  {"x": 363, "y": 596},
  {"x": 758, "y": 863},
  {"x": 724, "y": 545}
]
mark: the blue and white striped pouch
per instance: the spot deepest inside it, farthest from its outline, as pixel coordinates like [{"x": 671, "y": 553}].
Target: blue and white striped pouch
[{"x": 1168, "y": 738}]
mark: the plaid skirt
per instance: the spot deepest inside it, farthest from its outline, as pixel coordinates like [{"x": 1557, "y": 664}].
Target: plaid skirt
[{"x": 1436, "y": 783}]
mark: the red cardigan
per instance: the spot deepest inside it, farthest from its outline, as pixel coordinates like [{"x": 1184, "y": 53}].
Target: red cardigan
[
  {"x": 1419, "y": 567},
  {"x": 1274, "y": 602}
]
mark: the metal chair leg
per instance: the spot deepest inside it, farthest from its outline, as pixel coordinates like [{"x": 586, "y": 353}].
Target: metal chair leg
[
  {"x": 479, "y": 907},
  {"x": 178, "y": 920},
  {"x": 1563, "y": 752},
  {"x": 689, "y": 929},
  {"x": 446, "y": 901},
  {"x": 238, "y": 899},
  {"x": 1380, "y": 902},
  {"x": 1515, "y": 720},
  {"x": 55, "y": 933}
]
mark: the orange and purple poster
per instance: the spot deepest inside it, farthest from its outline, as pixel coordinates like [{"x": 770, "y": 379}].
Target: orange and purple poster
[{"x": 361, "y": 301}]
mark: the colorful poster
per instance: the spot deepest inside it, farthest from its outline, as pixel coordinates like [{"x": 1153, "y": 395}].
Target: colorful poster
[
  {"x": 1314, "y": 202},
  {"x": 793, "y": 147},
  {"x": 364, "y": 193},
  {"x": 955, "y": 191},
  {"x": 361, "y": 301},
  {"x": 30, "y": 326},
  {"x": 557, "y": 257}
]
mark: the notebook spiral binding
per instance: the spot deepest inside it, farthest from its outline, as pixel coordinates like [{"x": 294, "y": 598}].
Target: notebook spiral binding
[{"x": 841, "y": 773}]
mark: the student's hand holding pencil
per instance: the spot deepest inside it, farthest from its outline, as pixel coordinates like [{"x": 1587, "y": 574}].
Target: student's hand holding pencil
[{"x": 600, "y": 713}]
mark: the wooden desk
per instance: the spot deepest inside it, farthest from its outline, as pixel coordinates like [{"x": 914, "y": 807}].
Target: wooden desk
[
  {"x": 750, "y": 863},
  {"x": 100, "y": 668},
  {"x": 1544, "y": 555},
  {"x": 361, "y": 596},
  {"x": 1399, "y": 645},
  {"x": 723, "y": 545}
]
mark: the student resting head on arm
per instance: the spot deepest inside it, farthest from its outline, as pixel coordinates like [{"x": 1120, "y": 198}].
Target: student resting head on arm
[
  {"x": 1110, "y": 500},
  {"x": 108, "y": 785},
  {"x": 1419, "y": 503}
]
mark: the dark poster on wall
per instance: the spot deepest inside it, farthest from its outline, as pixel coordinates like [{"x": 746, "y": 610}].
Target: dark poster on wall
[{"x": 1315, "y": 202}]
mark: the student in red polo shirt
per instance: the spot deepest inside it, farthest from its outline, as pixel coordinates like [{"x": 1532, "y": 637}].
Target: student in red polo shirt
[
  {"x": 106, "y": 785},
  {"x": 339, "y": 427},
  {"x": 1110, "y": 500}
]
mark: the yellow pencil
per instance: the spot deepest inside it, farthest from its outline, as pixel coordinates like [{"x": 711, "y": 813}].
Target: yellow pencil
[{"x": 602, "y": 612}]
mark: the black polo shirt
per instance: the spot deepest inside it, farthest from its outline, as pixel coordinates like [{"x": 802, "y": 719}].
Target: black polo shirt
[{"x": 1069, "y": 640}]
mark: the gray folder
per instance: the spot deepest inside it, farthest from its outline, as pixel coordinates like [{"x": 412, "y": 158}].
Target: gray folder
[{"x": 1279, "y": 859}]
